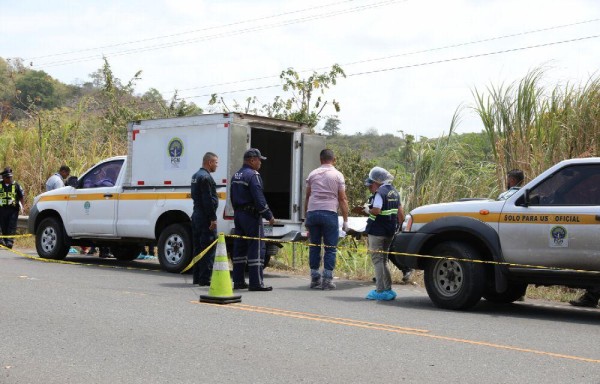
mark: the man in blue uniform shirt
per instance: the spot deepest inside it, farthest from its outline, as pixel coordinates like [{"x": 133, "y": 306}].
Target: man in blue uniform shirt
[
  {"x": 204, "y": 217},
  {"x": 250, "y": 207}
]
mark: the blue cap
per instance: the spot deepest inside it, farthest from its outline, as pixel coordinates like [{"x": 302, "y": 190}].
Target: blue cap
[
  {"x": 253, "y": 152},
  {"x": 368, "y": 182}
]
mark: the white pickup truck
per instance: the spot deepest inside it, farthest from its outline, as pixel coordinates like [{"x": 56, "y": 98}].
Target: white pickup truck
[
  {"x": 547, "y": 233},
  {"x": 125, "y": 202}
]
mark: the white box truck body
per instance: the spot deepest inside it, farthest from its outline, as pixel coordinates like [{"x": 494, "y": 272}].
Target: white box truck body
[{"x": 149, "y": 199}]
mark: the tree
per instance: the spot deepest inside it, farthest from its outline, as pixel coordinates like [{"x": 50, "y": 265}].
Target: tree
[
  {"x": 36, "y": 88},
  {"x": 302, "y": 106},
  {"x": 332, "y": 126}
]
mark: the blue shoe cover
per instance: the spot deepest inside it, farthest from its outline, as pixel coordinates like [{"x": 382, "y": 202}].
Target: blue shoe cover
[
  {"x": 381, "y": 296},
  {"x": 73, "y": 250},
  {"x": 389, "y": 295}
]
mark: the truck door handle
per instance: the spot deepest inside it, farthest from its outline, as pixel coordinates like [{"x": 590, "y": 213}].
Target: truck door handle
[{"x": 108, "y": 195}]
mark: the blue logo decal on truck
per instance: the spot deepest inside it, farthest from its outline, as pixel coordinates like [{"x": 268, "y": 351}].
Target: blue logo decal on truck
[{"x": 175, "y": 150}]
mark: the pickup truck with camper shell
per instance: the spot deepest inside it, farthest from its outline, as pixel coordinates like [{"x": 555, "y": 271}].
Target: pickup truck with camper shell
[
  {"x": 124, "y": 202},
  {"x": 547, "y": 233}
]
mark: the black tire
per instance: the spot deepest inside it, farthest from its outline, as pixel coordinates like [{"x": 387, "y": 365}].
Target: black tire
[
  {"x": 513, "y": 292},
  {"x": 126, "y": 252},
  {"x": 175, "y": 247},
  {"x": 50, "y": 239},
  {"x": 271, "y": 250},
  {"x": 454, "y": 284}
]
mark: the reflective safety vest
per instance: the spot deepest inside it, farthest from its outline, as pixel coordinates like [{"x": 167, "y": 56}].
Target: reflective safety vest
[
  {"x": 8, "y": 199},
  {"x": 386, "y": 222}
]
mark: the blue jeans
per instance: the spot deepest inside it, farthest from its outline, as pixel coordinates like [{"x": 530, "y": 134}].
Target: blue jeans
[{"x": 322, "y": 227}]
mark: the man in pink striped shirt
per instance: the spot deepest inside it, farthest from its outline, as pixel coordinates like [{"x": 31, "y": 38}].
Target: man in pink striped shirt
[{"x": 325, "y": 193}]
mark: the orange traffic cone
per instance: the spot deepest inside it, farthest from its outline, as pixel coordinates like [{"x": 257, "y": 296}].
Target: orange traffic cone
[{"x": 220, "y": 291}]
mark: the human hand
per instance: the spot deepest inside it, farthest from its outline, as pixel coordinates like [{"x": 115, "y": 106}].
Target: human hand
[
  {"x": 213, "y": 225},
  {"x": 366, "y": 209},
  {"x": 272, "y": 221}
]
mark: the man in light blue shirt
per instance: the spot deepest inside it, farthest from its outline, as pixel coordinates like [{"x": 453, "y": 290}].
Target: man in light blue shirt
[{"x": 58, "y": 179}]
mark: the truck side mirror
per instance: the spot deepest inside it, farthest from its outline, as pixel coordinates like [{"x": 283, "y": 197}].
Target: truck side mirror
[
  {"x": 72, "y": 181},
  {"x": 524, "y": 200}
]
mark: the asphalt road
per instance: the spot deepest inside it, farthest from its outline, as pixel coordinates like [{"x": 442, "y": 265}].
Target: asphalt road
[{"x": 97, "y": 322}]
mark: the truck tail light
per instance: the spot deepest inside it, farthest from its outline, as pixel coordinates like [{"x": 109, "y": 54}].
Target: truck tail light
[{"x": 407, "y": 224}]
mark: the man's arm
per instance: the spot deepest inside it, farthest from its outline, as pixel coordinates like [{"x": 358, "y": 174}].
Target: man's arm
[
  {"x": 343, "y": 202},
  {"x": 260, "y": 202},
  {"x": 308, "y": 191},
  {"x": 400, "y": 216},
  {"x": 206, "y": 198},
  {"x": 207, "y": 204},
  {"x": 21, "y": 198}
]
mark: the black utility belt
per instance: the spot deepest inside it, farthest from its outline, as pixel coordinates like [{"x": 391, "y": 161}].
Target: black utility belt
[{"x": 247, "y": 208}]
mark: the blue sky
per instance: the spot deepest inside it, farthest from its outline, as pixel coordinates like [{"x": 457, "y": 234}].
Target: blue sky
[{"x": 401, "y": 78}]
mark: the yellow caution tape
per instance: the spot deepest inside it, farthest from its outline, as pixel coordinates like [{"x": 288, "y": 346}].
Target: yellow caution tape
[
  {"x": 37, "y": 258},
  {"x": 199, "y": 256},
  {"x": 423, "y": 256},
  {"x": 14, "y": 236},
  {"x": 342, "y": 248}
]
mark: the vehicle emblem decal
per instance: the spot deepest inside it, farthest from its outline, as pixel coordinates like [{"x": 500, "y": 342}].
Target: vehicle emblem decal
[
  {"x": 559, "y": 236},
  {"x": 175, "y": 151}
]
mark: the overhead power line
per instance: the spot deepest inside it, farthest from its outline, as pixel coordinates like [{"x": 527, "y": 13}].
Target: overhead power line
[
  {"x": 400, "y": 54},
  {"x": 189, "y": 32},
  {"x": 221, "y": 35},
  {"x": 394, "y": 68},
  {"x": 415, "y": 65}
]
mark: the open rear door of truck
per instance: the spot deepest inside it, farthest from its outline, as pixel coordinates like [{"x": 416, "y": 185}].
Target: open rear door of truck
[
  {"x": 238, "y": 143},
  {"x": 312, "y": 145}
]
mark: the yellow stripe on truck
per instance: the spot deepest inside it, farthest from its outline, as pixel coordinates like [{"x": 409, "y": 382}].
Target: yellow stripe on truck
[
  {"x": 429, "y": 217},
  {"x": 127, "y": 196},
  {"x": 511, "y": 218}
]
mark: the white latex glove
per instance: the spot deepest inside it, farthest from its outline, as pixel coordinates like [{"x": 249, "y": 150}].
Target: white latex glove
[
  {"x": 345, "y": 226},
  {"x": 367, "y": 210}
]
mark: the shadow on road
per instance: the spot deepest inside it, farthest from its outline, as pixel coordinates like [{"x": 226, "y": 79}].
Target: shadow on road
[{"x": 529, "y": 309}]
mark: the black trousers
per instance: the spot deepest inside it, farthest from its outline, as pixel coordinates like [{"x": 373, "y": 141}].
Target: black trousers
[
  {"x": 8, "y": 224},
  {"x": 202, "y": 237}
]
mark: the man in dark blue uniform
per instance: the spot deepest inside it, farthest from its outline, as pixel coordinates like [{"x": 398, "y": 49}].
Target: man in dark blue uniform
[
  {"x": 11, "y": 202},
  {"x": 204, "y": 217},
  {"x": 250, "y": 207}
]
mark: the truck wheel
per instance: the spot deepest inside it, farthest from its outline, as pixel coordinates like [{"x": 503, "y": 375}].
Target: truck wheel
[
  {"x": 513, "y": 292},
  {"x": 175, "y": 247},
  {"x": 454, "y": 284},
  {"x": 271, "y": 250},
  {"x": 50, "y": 239},
  {"x": 126, "y": 252}
]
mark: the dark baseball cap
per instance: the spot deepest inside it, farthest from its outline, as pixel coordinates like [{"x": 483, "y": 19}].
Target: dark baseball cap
[
  {"x": 7, "y": 172},
  {"x": 253, "y": 152},
  {"x": 368, "y": 182}
]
